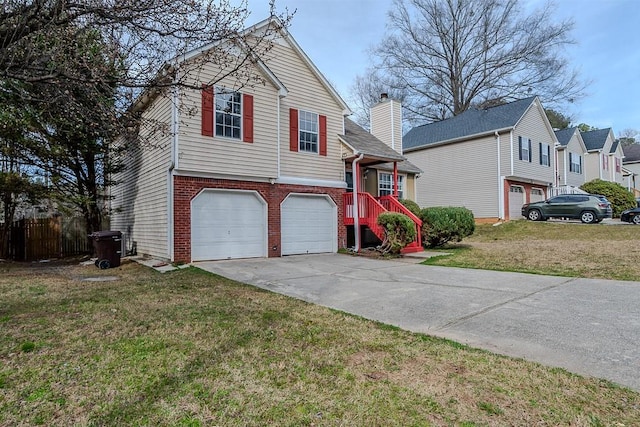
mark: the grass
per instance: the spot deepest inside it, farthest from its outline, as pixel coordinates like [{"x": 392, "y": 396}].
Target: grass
[
  {"x": 189, "y": 348},
  {"x": 555, "y": 248}
]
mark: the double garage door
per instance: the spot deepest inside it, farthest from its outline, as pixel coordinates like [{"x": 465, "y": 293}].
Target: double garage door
[{"x": 228, "y": 224}]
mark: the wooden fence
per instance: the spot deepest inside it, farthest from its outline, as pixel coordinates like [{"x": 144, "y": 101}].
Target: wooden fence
[{"x": 44, "y": 238}]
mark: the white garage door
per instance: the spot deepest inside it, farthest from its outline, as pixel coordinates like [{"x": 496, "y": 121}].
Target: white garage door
[
  {"x": 228, "y": 224},
  {"x": 537, "y": 195},
  {"x": 516, "y": 200},
  {"x": 309, "y": 224}
]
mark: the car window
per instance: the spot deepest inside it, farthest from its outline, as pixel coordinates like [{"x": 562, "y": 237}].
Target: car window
[{"x": 558, "y": 199}]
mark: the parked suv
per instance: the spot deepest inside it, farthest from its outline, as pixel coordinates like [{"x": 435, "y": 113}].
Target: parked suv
[{"x": 589, "y": 208}]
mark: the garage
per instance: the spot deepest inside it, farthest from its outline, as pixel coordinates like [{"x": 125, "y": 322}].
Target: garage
[
  {"x": 537, "y": 195},
  {"x": 516, "y": 200},
  {"x": 309, "y": 224},
  {"x": 228, "y": 224}
]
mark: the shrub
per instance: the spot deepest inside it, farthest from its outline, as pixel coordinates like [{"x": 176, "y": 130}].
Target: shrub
[
  {"x": 412, "y": 206},
  {"x": 399, "y": 231},
  {"x": 441, "y": 225},
  {"x": 619, "y": 197}
]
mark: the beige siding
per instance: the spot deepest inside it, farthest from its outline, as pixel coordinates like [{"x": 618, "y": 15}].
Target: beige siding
[
  {"x": 460, "y": 174},
  {"x": 140, "y": 204},
  {"x": 572, "y": 178},
  {"x": 306, "y": 93},
  {"x": 227, "y": 156},
  {"x": 386, "y": 123},
  {"x": 533, "y": 126},
  {"x": 592, "y": 166}
]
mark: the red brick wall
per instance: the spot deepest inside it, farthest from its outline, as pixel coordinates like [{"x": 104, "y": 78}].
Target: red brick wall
[{"x": 186, "y": 188}]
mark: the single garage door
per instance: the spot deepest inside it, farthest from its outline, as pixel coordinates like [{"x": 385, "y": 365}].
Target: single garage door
[
  {"x": 309, "y": 224},
  {"x": 537, "y": 195},
  {"x": 516, "y": 200},
  {"x": 228, "y": 224}
]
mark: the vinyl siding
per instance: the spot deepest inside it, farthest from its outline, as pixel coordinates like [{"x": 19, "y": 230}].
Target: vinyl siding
[
  {"x": 228, "y": 156},
  {"x": 306, "y": 93},
  {"x": 573, "y": 178},
  {"x": 460, "y": 174},
  {"x": 139, "y": 204},
  {"x": 386, "y": 123},
  {"x": 532, "y": 126},
  {"x": 592, "y": 168}
]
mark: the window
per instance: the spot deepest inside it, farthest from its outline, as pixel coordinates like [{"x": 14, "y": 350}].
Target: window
[
  {"x": 545, "y": 154},
  {"x": 524, "y": 145},
  {"x": 228, "y": 113},
  {"x": 575, "y": 163},
  {"x": 605, "y": 162},
  {"x": 618, "y": 165},
  {"x": 308, "y": 131},
  {"x": 385, "y": 185}
]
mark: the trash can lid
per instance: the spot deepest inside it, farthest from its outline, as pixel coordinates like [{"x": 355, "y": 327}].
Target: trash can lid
[{"x": 105, "y": 234}]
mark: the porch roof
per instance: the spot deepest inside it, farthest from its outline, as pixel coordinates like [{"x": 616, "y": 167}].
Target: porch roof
[
  {"x": 404, "y": 166},
  {"x": 362, "y": 142}
]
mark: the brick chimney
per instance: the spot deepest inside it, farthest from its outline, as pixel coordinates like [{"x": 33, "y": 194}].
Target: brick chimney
[{"x": 386, "y": 122}]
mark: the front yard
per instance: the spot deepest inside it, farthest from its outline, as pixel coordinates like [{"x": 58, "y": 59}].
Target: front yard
[
  {"x": 553, "y": 247},
  {"x": 190, "y": 348}
]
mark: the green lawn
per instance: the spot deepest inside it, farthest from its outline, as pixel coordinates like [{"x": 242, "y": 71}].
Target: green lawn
[
  {"x": 556, "y": 248},
  {"x": 189, "y": 348}
]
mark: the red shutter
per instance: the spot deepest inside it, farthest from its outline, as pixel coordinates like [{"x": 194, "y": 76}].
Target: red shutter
[
  {"x": 207, "y": 110},
  {"x": 294, "y": 138},
  {"x": 247, "y": 118},
  {"x": 323, "y": 135}
]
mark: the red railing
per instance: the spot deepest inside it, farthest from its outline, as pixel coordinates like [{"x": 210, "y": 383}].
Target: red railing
[{"x": 368, "y": 210}]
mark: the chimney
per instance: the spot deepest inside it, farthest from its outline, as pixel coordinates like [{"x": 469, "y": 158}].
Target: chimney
[{"x": 386, "y": 122}]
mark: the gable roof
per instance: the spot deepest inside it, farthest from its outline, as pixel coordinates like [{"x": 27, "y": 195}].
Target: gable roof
[
  {"x": 565, "y": 135},
  {"x": 595, "y": 139},
  {"x": 614, "y": 147},
  {"x": 469, "y": 123},
  {"x": 631, "y": 153},
  {"x": 362, "y": 142}
]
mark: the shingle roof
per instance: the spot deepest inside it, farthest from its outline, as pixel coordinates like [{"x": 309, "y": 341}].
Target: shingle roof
[
  {"x": 595, "y": 139},
  {"x": 363, "y": 142},
  {"x": 614, "y": 147},
  {"x": 404, "y": 166},
  {"x": 631, "y": 153},
  {"x": 470, "y": 122},
  {"x": 564, "y": 135}
]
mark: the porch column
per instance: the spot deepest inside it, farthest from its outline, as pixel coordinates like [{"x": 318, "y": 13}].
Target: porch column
[{"x": 395, "y": 179}]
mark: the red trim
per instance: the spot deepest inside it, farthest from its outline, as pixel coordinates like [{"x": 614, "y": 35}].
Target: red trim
[
  {"x": 207, "y": 110},
  {"x": 247, "y": 118},
  {"x": 323, "y": 135},
  {"x": 294, "y": 138}
]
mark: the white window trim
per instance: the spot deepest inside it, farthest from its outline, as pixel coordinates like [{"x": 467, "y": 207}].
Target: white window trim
[
  {"x": 402, "y": 180},
  {"x": 317, "y": 132},
  {"x": 545, "y": 151},
  {"x": 220, "y": 90},
  {"x": 572, "y": 157}
]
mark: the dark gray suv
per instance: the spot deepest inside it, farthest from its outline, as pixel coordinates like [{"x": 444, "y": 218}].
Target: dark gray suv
[{"x": 589, "y": 208}]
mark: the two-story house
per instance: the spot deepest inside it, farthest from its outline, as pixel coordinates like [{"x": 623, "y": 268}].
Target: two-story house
[
  {"x": 490, "y": 161},
  {"x": 631, "y": 168},
  {"x": 252, "y": 170},
  {"x": 570, "y": 159},
  {"x": 604, "y": 156}
]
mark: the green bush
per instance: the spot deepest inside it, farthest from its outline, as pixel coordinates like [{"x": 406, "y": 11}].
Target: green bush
[
  {"x": 399, "y": 230},
  {"x": 441, "y": 225},
  {"x": 619, "y": 197},
  {"x": 412, "y": 206}
]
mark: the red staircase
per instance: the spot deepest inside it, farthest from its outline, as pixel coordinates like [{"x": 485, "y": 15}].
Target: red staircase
[{"x": 368, "y": 210}]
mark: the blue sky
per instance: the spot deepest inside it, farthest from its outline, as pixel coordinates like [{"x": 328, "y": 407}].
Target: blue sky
[{"x": 336, "y": 35}]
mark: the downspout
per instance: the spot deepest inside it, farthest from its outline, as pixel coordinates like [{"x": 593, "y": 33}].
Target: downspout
[
  {"x": 356, "y": 214},
  {"x": 278, "y": 139},
  {"x": 566, "y": 159},
  {"x": 500, "y": 181},
  {"x": 172, "y": 165},
  {"x": 511, "y": 148}
]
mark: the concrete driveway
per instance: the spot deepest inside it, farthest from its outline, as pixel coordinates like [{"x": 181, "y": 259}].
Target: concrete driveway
[{"x": 588, "y": 326}]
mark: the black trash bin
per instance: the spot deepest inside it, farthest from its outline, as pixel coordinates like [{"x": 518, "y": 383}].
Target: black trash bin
[{"x": 108, "y": 247}]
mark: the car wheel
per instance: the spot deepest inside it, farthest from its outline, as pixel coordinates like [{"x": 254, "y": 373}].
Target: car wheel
[
  {"x": 587, "y": 217},
  {"x": 636, "y": 219},
  {"x": 534, "y": 215}
]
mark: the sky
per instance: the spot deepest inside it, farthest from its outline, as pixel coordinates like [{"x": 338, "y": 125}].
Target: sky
[{"x": 338, "y": 34}]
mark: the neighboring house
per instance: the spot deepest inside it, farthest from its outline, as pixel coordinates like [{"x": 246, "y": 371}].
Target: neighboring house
[
  {"x": 631, "y": 168},
  {"x": 259, "y": 171},
  {"x": 604, "y": 156},
  {"x": 570, "y": 159},
  {"x": 490, "y": 161}
]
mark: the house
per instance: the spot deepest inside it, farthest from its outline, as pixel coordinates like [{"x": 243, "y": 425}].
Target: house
[
  {"x": 570, "y": 159},
  {"x": 631, "y": 168},
  {"x": 490, "y": 161},
  {"x": 260, "y": 170},
  {"x": 604, "y": 156}
]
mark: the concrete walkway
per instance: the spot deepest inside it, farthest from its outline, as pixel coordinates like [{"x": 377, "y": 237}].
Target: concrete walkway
[{"x": 588, "y": 326}]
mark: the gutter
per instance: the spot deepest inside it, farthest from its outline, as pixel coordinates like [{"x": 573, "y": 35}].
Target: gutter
[{"x": 173, "y": 163}]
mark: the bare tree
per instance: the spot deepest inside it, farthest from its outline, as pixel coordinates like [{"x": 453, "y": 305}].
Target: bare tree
[
  {"x": 450, "y": 55},
  {"x": 628, "y": 136}
]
